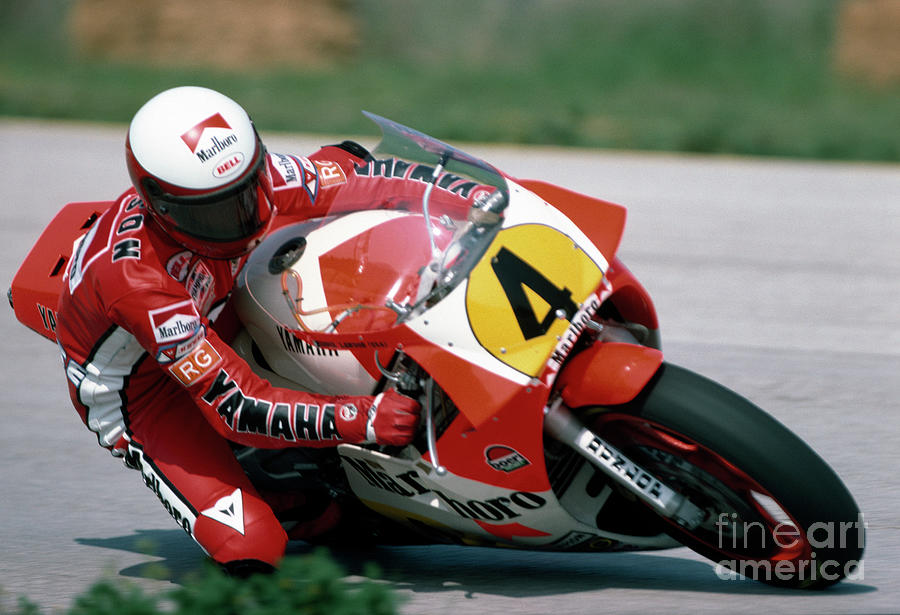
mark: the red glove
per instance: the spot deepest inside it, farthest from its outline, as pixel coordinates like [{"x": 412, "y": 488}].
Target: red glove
[{"x": 389, "y": 419}]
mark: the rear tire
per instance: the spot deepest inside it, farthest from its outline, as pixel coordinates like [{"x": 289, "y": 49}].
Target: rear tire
[{"x": 775, "y": 511}]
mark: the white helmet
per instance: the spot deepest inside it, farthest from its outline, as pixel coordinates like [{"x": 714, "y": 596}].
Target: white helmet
[{"x": 198, "y": 163}]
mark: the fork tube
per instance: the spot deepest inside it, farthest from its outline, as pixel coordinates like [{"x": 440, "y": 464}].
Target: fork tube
[{"x": 430, "y": 429}]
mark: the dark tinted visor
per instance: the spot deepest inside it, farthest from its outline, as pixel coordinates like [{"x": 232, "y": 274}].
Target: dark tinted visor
[{"x": 227, "y": 215}]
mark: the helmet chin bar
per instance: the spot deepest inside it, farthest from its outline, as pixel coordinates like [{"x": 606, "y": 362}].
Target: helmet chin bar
[
  {"x": 217, "y": 250},
  {"x": 223, "y": 224}
]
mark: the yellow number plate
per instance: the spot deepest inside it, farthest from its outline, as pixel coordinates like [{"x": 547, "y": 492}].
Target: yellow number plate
[{"x": 525, "y": 291}]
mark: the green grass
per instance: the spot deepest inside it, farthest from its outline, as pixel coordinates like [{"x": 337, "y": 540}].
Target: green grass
[{"x": 724, "y": 76}]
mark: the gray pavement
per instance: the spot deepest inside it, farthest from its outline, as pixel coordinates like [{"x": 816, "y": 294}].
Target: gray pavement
[{"x": 780, "y": 279}]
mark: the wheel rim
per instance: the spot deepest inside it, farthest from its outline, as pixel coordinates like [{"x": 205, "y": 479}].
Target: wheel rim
[{"x": 743, "y": 521}]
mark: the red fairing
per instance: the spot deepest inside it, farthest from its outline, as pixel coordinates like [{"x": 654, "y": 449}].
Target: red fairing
[
  {"x": 607, "y": 374},
  {"x": 630, "y": 297},
  {"x": 136, "y": 307},
  {"x": 35, "y": 289},
  {"x": 603, "y": 222}
]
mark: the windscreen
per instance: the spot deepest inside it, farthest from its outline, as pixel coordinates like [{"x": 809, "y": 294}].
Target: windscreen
[{"x": 373, "y": 268}]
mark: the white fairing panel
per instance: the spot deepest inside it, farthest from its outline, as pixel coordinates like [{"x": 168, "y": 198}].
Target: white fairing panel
[
  {"x": 408, "y": 490},
  {"x": 319, "y": 370}
]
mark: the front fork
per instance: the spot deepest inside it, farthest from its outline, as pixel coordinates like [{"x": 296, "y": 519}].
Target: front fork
[
  {"x": 613, "y": 371},
  {"x": 565, "y": 427}
]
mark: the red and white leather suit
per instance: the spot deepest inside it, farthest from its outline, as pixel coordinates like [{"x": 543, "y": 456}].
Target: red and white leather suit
[{"x": 154, "y": 380}]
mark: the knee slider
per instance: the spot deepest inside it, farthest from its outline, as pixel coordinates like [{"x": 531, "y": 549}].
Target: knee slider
[{"x": 249, "y": 531}]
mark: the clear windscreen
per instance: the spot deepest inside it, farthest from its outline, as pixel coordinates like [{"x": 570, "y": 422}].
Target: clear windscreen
[{"x": 369, "y": 270}]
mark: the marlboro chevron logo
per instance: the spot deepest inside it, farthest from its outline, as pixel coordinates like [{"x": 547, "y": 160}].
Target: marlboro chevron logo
[
  {"x": 174, "y": 322},
  {"x": 215, "y": 145}
]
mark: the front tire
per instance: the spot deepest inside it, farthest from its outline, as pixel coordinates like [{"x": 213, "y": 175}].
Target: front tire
[{"x": 774, "y": 510}]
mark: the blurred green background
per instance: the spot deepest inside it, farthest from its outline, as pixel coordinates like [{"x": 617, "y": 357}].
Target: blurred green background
[{"x": 799, "y": 78}]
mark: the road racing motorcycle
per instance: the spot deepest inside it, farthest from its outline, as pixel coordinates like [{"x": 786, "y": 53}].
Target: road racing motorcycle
[{"x": 551, "y": 420}]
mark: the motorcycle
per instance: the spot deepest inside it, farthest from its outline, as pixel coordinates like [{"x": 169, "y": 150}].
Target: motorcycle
[{"x": 551, "y": 420}]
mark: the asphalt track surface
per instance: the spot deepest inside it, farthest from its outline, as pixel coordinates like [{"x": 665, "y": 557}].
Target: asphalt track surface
[{"x": 780, "y": 279}]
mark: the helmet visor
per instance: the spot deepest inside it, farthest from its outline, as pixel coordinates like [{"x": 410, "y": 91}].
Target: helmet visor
[{"x": 231, "y": 214}]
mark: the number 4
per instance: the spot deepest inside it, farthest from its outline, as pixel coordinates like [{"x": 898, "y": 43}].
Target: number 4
[{"x": 514, "y": 274}]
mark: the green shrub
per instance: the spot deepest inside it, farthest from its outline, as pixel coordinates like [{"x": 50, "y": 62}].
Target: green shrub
[{"x": 304, "y": 585}]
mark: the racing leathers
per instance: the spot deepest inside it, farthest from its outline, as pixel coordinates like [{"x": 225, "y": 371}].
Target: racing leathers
[{"x": 151, "y": 376}]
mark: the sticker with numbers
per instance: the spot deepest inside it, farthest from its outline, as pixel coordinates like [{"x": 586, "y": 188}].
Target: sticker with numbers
[{"x": 525, "y": 291}]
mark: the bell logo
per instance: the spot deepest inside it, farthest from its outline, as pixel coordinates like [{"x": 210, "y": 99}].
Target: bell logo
[
  {"x": 228, "y": 165},
  {"x": 192, "y": 137}
]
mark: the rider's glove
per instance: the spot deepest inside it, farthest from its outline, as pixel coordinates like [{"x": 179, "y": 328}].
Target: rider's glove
[{"x": 388, "y": 419}]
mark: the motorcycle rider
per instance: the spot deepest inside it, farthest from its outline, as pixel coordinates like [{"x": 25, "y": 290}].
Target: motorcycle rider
[{"x": 148, "y": 365}]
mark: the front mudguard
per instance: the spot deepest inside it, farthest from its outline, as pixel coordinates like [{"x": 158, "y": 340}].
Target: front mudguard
[
  {"x": 631, "y": 303},
  {"x": 607, "y": 374}
]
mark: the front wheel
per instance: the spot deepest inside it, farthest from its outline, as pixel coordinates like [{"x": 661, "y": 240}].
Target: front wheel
[{"x": 774, "y": 511}]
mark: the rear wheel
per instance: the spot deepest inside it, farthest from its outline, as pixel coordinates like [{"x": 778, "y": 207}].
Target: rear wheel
[{"x": 774, "y": 511}]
